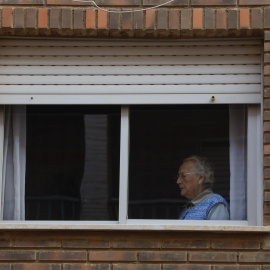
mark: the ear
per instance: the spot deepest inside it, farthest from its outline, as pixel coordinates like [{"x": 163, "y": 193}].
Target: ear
[{"x": 201, "y": 179}]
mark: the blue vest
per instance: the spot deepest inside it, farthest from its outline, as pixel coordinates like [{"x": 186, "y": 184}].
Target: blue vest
[{"x": 201, "y": 210}]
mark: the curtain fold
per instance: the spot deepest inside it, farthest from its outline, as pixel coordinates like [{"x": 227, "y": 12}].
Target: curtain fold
[
  {"x": 238, "y": 162},
  {"x": 14, "y": 161}
]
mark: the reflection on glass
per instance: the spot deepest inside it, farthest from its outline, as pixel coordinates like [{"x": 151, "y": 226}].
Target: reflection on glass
[
  {"x": 162, "y": 136},
  {"x": 72, "y": 162}
]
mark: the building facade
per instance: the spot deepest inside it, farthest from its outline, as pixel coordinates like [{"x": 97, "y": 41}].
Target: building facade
[{"x": 196, "y": 23}]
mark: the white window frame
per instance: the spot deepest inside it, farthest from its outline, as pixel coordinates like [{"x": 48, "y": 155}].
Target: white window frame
[
  {"x": 254, "y": 154},
  {"x": 254, "y": 188}
]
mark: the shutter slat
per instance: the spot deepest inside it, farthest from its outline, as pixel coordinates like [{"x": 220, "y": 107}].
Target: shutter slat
[
  {"x": 141, "y": 51},
  {"x": 121, "y": 70},
  {"x": 130, "y": 60},
  {"x": 131, "y": 89},
  {"x": 132, "y": 79}
]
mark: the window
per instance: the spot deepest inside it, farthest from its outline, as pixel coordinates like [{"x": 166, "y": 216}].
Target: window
[
  {"x": 73, "y": 165},
  {"x": 129, "y": 97}
]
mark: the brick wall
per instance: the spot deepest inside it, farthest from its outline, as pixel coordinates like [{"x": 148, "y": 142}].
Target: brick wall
[
  {"x": 69, "y": 250},
  {"x": 181, "y": 18}
]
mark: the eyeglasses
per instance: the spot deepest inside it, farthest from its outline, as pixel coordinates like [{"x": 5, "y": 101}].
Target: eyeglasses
[{"x": 183, "y": 175}]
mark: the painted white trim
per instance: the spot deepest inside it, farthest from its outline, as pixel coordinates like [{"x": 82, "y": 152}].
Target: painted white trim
[{"x": 2, "y": 122}]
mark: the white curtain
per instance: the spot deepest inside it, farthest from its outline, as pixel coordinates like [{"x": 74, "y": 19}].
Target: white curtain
[
  {"x": 14, "y": 161},
  {"x": 238, "y": 163}
]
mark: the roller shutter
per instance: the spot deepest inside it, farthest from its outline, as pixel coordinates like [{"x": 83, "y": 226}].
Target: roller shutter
[{"x": 64, "y": 71}]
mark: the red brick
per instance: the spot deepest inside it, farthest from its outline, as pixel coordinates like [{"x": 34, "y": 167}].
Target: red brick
[
  {"x": 159, "y": 256},
  {"x": 15, "y": 255},
  {"x": 266, "y": 115},
  {"x": 126, "y": 21},
  {"x": 267, "y": 68},
  {"x": 266, "y": 138},
  {"x": 136, "y": 267},
  {"x": 198, "y": 18},
  {"x": 266, "y": 208},
  {"x": 185, "y": 19},
  {"x": 114, "y": 20},
  {"x": 266, "y": 92},
  {"x": 112, "y": 256},
  {"x": 221, "y": 19},
  {"x": 78, "y": 17},
  {"x": 7, "y": 17},
  {"x": 213, "y": 2},
  {"x": 21, "y": 2},
  {"x": 55, "y": 18},
  {"x": 174, "y": 19},
  {"x": 236, "y": 267},
  {"x": 36, "y": 243},
  {"x": 62, "y": 255},
  {"x": 232, "y": 19},
  {"x": 244, "y": 18},
  {"x": 209, "y": 19},
  {"x": 266, "y": 48},
  {"x": 31, "y": 18},
  {"x": 266, "y": 104},
  {"x": 266, "y": 162},
  {"x": 266, "y": 81},
  {"x": 42, "y": 18},
  {"x": 256, "y": 18},
  {"x": 267, "y": 18},
  {"x": 186, "y": 267},
  {"x": 18, "y": 18},
  {"x": 236, "y": 244},
  {"x": 35, "y": 266},
  {"x": 266, "y": 149},
  {"x": 254, "y": 257},
  {"x": 85, "y": 243},
  {"x": 266, "y": 194},
  {"x": 98, "y": 2},
  {"x": 129, "y": 243},
  {"x": 267, "y": 35},
  {"x": 66, "y": 18},
  {"x": 150, "y": 19},
  {"x": 102, "y": 19},
  {"x": 4, "y": 242},
  {"x": 90, "y": 19},
  {"x": 138, "y": 20},
  {"x": 5, "y": 266},
  {"x": 267, "y": 58},
  {"x": 162, "y": 19},
  {"x": 212, "y": 256},
  {"x": 186, "y": 244},
  {"x": 266, "y": 220},
  {"x": 253, "y": 2},
  {"x": 78, "y": 266},
  {"x": 159, "y": 2}
]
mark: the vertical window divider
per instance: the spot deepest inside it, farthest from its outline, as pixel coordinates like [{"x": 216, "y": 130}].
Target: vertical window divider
[
  {"x": 124, "y": 162},
  {"x": 253, "y": 168},
  {"x": 2, "y": 122}
]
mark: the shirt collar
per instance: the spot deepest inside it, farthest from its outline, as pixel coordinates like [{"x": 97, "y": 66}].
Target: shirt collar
[{"x": 201, "y": 196}]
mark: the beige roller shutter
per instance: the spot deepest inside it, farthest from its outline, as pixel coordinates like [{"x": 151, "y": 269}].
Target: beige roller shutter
[{"x": 64, "y": 71}]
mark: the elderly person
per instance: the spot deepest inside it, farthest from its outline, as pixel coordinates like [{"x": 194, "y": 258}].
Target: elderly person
[{"x": 195, "y": 179}]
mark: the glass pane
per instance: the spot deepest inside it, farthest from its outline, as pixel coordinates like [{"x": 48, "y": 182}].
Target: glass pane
[
  {"x": 72, "y": 162},
  {"x": 160, "y": 138}
]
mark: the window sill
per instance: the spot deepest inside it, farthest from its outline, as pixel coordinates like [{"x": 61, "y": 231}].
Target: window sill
[{"x": 109, "y": 226}]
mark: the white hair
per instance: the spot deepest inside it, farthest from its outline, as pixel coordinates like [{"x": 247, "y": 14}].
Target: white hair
[{"x": 202, "y": 166}]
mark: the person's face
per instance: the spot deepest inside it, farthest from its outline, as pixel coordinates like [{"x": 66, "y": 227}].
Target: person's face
[{"x": 190, "y": 183}]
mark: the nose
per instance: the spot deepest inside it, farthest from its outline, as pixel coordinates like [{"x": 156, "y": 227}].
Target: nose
[{"x": 178, "y": 180}]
